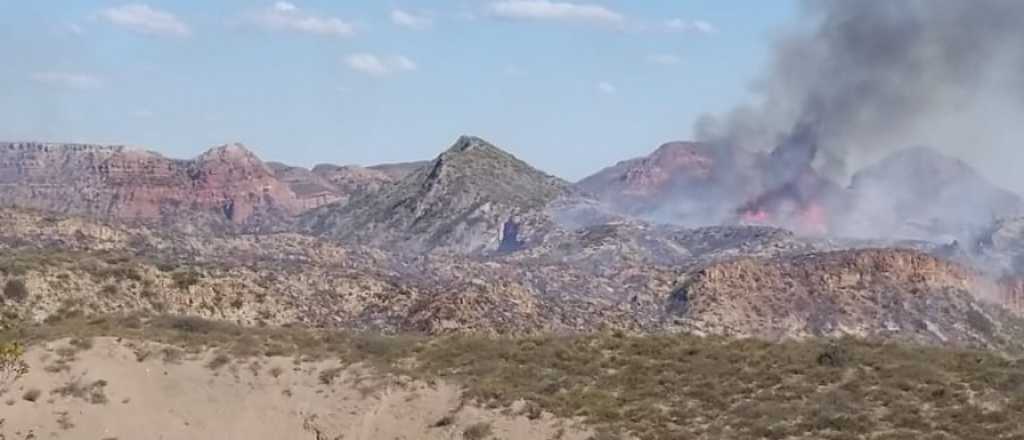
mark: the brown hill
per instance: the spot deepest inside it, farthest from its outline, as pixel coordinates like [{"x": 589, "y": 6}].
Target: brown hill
[{"x": 877, "y": 293}]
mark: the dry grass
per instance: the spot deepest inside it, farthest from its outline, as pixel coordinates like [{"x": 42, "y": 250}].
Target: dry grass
[
  {"x": 92, "y": 392},
  {"x": 654, "y": 387}
]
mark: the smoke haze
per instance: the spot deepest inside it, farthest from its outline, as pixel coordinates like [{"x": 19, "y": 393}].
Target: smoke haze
[
  {"x": 859, "y": 79},
  {"x": 854, "y": 82}
]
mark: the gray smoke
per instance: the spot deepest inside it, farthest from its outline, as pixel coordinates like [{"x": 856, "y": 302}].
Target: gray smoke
[
  {"x": 861, "y": 77},
  {"x": 856, "y": 80}
]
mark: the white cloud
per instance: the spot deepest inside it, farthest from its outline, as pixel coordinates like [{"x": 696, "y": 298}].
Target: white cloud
[
  {"x": 607, "y": 88},
  {"x": 78, "y": 81},
  {"x": 664, "y": 59},
  {"x": 144, "y": 19},
  {"x": 554, "y": 11},
  {"x": 285, "y": 16},
  {"x": 410, "y": 20},
  {"x": 285, "y": 6},
  {"x": 695, "y": 26},
  {"x": 374, "y": 65}
]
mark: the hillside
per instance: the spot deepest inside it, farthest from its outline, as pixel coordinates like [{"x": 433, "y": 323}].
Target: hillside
[
  {"x": 472, "y": 198},
  {"x": 685, "y": 183}
]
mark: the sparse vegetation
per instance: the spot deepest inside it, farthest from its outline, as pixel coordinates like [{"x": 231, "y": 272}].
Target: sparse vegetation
[
  {"x": 328, "y": 376},
  {"x": 12, "y": 364},
  {"x": 218, "y": 361},
  {"x": 92, "y": 392},
  {"x": 447, "y": 420},
  {"x": 276, "y": 372},
  {"x": 184, "y": 279},
  {"x": 654, "y": 387},
  {"x": 477, "y": 431}
]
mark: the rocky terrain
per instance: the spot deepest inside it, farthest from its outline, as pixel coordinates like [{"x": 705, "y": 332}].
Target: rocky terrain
[
  {"x": 475, "y": 296},
  {"x": 477, "y": 240},
  {"x": 634, "y": 277},
  {"x": 474, "y": 197}
]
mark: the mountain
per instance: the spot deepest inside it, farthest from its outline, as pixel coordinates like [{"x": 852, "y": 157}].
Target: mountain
[
  {"x": 226, "y": 183},
  {"x": 920, "y": 193},
  {"x": 474, "y": 197},
  {"x": 688, "y": 183}
]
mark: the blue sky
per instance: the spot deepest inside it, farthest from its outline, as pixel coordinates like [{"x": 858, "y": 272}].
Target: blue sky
[{"x": 568, "y": 86}]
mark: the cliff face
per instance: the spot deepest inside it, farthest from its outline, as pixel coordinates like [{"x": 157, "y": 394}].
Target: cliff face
[{"x": 119, "y": 183}]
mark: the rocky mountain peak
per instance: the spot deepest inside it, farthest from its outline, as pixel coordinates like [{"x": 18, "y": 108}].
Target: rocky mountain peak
[
  {"x": 466, "y": 143},
  {"x": 464, "y": 200}
]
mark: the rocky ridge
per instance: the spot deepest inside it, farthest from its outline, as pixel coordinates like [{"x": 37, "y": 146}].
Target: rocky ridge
[{"x": 635, "y": 278}]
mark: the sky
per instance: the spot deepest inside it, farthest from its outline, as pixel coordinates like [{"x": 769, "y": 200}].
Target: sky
[{"x": 568, "y": 86}]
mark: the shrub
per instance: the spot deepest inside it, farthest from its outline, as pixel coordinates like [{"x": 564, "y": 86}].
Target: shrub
[
  {"x": 184, "y": 279},
  {"x": 15, "y": 290},
  {"x": 447, "y": 420},
  {"x": 92, "y": 393},
  {"x": 477, "y": 431},
  {"x": 12, "y": 364},
  {"x": 834, "y": 355},
  {"x": 328, "y": 376},
  {"x": 218, "y": 361},
  {"x": 31, "y": 395}
]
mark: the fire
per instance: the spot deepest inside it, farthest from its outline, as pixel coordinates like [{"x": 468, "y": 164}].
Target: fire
[
  {"x": 805, "y": 217},
  {"x": 758, "y": 216},
  {"x": 813, "y": 219}
]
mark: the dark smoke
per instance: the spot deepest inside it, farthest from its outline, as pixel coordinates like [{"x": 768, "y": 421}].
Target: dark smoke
[{"x": 860, "y": 78}]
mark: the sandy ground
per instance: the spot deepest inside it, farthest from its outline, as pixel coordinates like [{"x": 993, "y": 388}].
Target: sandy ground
[{"x": 131, "y": 391}]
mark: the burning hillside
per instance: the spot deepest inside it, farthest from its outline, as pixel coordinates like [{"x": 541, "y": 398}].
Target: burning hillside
[{"x": 870, "y": 77}]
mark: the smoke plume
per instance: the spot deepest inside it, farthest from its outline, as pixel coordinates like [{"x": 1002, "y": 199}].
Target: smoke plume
[{"x": 857, "y": 79}]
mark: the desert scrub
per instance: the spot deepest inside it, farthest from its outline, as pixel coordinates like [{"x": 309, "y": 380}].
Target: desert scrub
[
  {"x": 184, "y": 279},
  {"x": 92, "y": 392},
  {"x": 477, "y": 431},
  {"x": 218, "y": 361},
  {"x": 12, "y": 364},
  {"x": 650, "y": 386}
]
